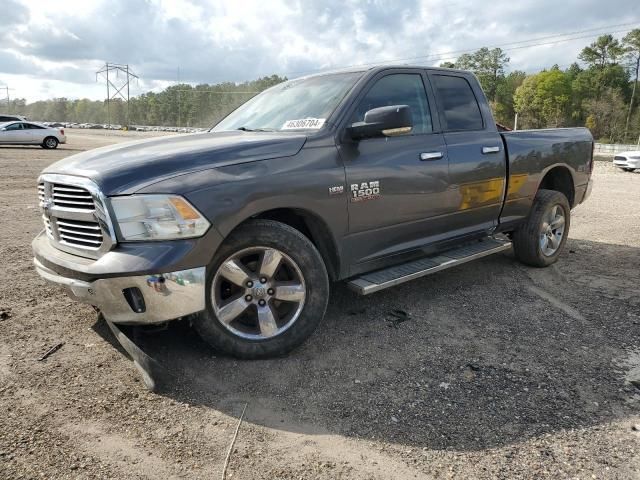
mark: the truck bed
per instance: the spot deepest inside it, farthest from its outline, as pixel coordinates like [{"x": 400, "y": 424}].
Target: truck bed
[{"x": 533, "y": 153}]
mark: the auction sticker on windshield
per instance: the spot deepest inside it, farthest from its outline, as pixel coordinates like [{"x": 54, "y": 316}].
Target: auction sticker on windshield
[{"x": 303, "y": 123}]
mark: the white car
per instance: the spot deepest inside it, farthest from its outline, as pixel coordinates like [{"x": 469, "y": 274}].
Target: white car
[
  {"x": 628, "y": 161},
  {"x": 30, "y": 133}
]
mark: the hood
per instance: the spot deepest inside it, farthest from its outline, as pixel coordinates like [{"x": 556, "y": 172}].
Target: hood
[
  {"x": 127, "y": 167},
  {"x": 630, "y": 153}
]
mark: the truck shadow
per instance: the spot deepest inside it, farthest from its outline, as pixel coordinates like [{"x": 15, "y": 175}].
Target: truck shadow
[{"x": 484, "y": 355}]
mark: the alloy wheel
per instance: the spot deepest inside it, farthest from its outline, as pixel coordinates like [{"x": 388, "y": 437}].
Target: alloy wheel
[
  {"x": 552, "y": 230},
  {"x": 258, "y": 293}
]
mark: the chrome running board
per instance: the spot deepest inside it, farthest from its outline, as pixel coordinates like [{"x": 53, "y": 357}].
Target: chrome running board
[{"x": 392, "y": 276}]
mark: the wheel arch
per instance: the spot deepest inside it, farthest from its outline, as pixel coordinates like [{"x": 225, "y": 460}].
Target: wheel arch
[
  {"x": 559, "y": 178},
  {"x": 310, "y": 225}
]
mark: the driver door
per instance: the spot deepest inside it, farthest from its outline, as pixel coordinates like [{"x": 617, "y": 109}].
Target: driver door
[
  {"x": 397, "y": 186},
  {"x": 12, "y": 134}
]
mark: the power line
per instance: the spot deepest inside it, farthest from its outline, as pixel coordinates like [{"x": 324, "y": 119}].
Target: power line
[{"x": 446, "y": 55}]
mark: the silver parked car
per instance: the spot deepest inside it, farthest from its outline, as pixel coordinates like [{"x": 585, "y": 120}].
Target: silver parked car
[
  {"x": 628, "y": 161},
  {"x": 30, "y": 133}
]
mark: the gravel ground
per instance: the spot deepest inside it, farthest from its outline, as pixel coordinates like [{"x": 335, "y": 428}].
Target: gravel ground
[{"x": 496, "y": 371}]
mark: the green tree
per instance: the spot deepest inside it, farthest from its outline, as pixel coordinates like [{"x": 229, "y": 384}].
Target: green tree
[
  {"x": 604, "y": 51},
  {"x": 543, "y": 99}
]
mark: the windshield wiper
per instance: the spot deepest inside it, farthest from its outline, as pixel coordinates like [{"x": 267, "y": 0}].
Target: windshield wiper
[{"x": 246, "y": 129}]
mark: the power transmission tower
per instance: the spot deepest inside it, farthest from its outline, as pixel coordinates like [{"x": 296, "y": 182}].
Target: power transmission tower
[{"x": 116, "y": 68}]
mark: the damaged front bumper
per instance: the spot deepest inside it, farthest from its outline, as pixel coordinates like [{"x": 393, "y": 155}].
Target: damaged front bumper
[
  {"x": 136, "y": 300},
  {"x": 133, "y": 285}
]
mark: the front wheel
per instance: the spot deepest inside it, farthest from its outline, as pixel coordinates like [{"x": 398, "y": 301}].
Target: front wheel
[
  {"x": 628, "y": 169},
  {"x": 539, "y": 241},
  {"x": 267, "y": 291}
]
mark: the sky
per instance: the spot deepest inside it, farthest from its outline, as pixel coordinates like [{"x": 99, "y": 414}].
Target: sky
[{"x": 52, "y": 48}]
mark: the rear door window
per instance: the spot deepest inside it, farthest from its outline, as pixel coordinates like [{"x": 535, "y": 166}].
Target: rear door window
[{"x": 459, "y": 109}]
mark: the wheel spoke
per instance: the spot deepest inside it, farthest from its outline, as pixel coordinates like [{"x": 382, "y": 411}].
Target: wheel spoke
[
  {"x": 235, "y": 272},
  {"x": 267, "y": 321},
  {"x": 289, "y": 292},
  {"x": 558, "y": 222},
  {"x": 553, "y": 213},
  {"x": 555, "y": 241},
  {"x": 544, "y": 244},
  {"x": 230, "y": 311},
  {"x": 270, "y": 262}
]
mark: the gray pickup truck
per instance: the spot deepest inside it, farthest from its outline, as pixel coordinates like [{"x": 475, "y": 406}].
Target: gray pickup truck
[{"x": 372, "y": 176}]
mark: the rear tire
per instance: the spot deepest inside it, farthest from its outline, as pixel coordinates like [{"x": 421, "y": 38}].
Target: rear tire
[
  {"x": 628, "y": 169},
  {"x": 258, "y": 307},
  {"x": 540, "y": 239},
  {"x": 50, "y": 143}
]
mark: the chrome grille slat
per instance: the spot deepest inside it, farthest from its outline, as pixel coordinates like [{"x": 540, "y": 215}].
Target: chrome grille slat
[
  {"x": 73, "y": 238},
  {"x": 78, "y": 232},
  {"x": 66, "y": 223},
  {"x": 68, "y": 189},
  {"x": 66, "y": 195}
]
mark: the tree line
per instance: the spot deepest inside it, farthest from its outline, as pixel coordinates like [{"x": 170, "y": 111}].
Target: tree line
[
  {"x": 602, "y": 94},
  {"x": 599, "y": 91},
  {"x": 181, "y": 105}
]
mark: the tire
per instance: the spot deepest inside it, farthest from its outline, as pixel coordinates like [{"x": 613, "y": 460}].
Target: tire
[
  {"x": 50, "y": 143},
  {"x": 529, "y": 239},
  {"x": 278, "y": 326},
  {"x": 628, "y": 169}
]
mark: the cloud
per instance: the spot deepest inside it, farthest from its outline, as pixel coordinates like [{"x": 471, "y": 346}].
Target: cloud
[{"x": 212, "y": 41}]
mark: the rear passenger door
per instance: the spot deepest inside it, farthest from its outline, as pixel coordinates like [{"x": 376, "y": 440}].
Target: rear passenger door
[{"x": 477, "y": 161}]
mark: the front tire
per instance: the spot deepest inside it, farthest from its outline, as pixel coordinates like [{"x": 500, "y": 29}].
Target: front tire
[
  {"x": 50, "y": 143},
  {"x": 267, "y": 291},
  {"x": 628, "y": 169},
  {"x": 540, "y": 240}
]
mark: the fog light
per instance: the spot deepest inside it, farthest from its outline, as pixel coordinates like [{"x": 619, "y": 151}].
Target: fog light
[{"x": 135, "y": 299}]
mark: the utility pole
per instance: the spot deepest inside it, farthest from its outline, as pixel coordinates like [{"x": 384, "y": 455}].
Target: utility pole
[
  {"x": 515, "y": 122},
  {"x": 6, "y": 89},
  {"x": 117, "y": 68}
]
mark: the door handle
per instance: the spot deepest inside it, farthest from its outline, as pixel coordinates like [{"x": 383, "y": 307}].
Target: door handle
[
  {"x": 431, "y": 156},
  {"x": 486, "y": 150}
]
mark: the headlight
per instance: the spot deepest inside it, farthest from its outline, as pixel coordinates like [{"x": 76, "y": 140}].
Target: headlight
[{"x": 157, "y": 217}]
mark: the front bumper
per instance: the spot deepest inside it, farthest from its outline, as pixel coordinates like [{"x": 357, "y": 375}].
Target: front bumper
[
  {"x": 628, "y": 163},
  {"x": 166, "y": 296}
]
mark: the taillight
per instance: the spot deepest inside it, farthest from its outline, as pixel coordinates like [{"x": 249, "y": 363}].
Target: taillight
[{"x": 62, "y": 131}]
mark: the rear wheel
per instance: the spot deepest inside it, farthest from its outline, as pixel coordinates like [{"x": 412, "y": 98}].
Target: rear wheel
[
  {"x": 628, "y": 169},
  {"x": 50, "y": 142},
  {"x": 539, "y": 241},
  {"x": 267, "y": 291}
]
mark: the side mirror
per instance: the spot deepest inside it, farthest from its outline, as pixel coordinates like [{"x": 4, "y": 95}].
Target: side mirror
[{"x": 387, "y": 121}]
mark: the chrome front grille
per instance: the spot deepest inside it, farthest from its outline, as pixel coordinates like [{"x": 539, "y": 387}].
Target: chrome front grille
[
  {"x": 75, "y": 233},
  {"x": 75, "y": 215},
  {"x": 71, "y": 197}
]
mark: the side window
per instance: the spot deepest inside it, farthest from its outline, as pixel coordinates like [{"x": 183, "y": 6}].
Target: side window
[
  {"x": 458, "y": 103},
  {"x": 15, "y": 126},
  {"x": 398, "y": 89}
]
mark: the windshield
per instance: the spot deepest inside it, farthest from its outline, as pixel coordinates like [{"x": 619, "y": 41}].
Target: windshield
[{"x": 294, "y": 105}]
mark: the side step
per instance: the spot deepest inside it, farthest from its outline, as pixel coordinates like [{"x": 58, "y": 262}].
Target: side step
[{"x": 389, "y": 277}]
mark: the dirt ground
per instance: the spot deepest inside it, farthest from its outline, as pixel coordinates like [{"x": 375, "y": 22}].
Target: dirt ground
[{"x": 497, "y": 371}]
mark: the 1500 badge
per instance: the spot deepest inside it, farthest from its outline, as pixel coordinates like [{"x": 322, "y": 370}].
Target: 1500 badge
[{"x": 365, "y": 191}]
